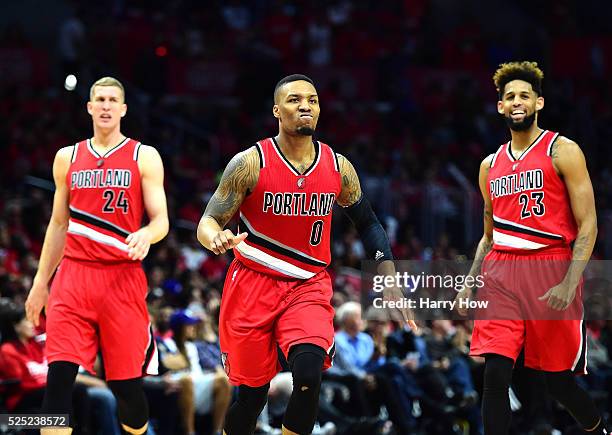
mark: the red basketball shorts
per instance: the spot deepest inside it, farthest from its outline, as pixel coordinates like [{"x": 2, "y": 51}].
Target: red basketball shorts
[
  {"x": 516, "y": 319},
  {"x": 101, "y": 307},
  {"x": 259, "y": 311}
]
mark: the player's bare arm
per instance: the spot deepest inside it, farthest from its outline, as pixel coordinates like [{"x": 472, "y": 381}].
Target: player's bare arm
[
  {"x": 370, "y": 230},
  {"x": 152, "y": 180},
  {"x": 55, "y": 238},
  {"x": 570, "y": 164},
  {"x": 351, "y": 188},
  {"x": 486, "y": 242},
  {"x": 239, "y": 177}
]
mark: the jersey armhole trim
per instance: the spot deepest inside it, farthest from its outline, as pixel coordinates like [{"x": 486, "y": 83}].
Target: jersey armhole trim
[
  {"x": 137, "y": 151},
  {"x": 75, "y": 148},
  {"x": 494, "y": 158},
  {"x": 262, "y": 161},
  {"x": 336, "y": 163},
  {"x": 552, "y": 143}
]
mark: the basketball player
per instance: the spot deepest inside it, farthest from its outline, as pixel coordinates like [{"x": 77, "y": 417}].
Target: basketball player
[
  {"x": 277, "y": 289},
  {"x": 103, "y": 186},
  {"x": 538, "y": 200}
]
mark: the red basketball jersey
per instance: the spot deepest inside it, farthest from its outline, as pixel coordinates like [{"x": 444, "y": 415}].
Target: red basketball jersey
[
  {"x": 531, "y": 206},
  {"x": 288, "y": 215},
  {"x": 106, "y": 203}
]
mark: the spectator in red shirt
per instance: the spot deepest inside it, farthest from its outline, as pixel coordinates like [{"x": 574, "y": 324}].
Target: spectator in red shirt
[{"x": 22, "y": 359}]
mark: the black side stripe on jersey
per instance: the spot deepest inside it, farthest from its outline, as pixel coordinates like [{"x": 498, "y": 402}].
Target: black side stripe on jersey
[
  {"x": 255, "y": 239},
  {"x": 149, "y": 353},
  {"x": 517, "y": 229},
  {"x": 332, "y": 350},
  {"x": 262, "y": 163},
  {"x": 580, "y": 365},
  {"x": 96, "y": 221}
]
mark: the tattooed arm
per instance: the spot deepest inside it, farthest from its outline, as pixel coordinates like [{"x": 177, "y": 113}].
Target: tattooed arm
[
  {"x": 240, "y": 176},
  {"x": 570, "y": 164},
  {"x": 486, "y": 242},
  {"x": 351, "y": 189}
]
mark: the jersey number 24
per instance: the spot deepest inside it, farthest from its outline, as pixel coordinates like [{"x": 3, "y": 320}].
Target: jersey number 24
[{"x": 111, "y": 205}]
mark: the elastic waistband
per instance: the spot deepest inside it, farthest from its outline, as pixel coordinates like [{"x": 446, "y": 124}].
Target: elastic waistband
[
  {"x": 104, "y": 265},
  {"x": 553, "y": 250}
]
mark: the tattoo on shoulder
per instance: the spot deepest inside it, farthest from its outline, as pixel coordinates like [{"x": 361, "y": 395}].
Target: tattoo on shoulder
[
  {"x": 240, "y": 176},
  {"x": 351, "y": 189},
  {"x": 560, "y": 143},
  {"x": 555, "y": 151}
]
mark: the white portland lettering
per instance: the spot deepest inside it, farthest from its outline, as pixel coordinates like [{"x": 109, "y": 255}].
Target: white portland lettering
[
  {"x": 511, "y": 184},
  {"x": 100, "y": 178},
  {"x": 298, "y": 204}
]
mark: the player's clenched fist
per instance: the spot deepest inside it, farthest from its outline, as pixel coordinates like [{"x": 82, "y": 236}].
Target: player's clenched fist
[
  {"x": 138, "y": 243},
  {"x": 225, "y": 240}
]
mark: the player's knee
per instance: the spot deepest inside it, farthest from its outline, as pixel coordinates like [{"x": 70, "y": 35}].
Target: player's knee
[
  {"x": 306, "y": 365},
  {"x": 253, "y": 399},
  {"x": 58, "y": 392},
  {"x": 132, "y": 404},
  {"x": 307, "y": 373}
]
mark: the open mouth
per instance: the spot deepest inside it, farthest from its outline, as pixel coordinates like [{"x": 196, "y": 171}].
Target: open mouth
[{"x": 516, "y": 114}]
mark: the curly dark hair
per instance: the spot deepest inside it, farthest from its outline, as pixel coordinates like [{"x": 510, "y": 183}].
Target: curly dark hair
[{"x": 526, "y": 71}]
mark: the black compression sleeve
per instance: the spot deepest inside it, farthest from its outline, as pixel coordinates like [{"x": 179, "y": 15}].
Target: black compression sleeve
[{"x": 370, "y": 230}]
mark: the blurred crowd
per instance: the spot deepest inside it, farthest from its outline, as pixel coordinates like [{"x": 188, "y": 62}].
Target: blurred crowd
[{"x": 406, "y": 94}]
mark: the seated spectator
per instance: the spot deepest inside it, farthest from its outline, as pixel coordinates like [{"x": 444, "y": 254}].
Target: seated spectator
[
  {"x": 211, "y": 391},
  {"x": 23, "y": 360},
  {"x": 99, "y": 404},
  {"x": 446, "y": 356},
  {"x": 370, "y": 387},
  {"x": 437, "y": 400},
  {"x": 443, "y": 345},
  {"x": 172, "y": 372}
]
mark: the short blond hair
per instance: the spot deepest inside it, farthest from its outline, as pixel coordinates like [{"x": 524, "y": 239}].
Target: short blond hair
[
  {"x": 527, "y": 71},
  {"x": 106, "y": 81}
]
